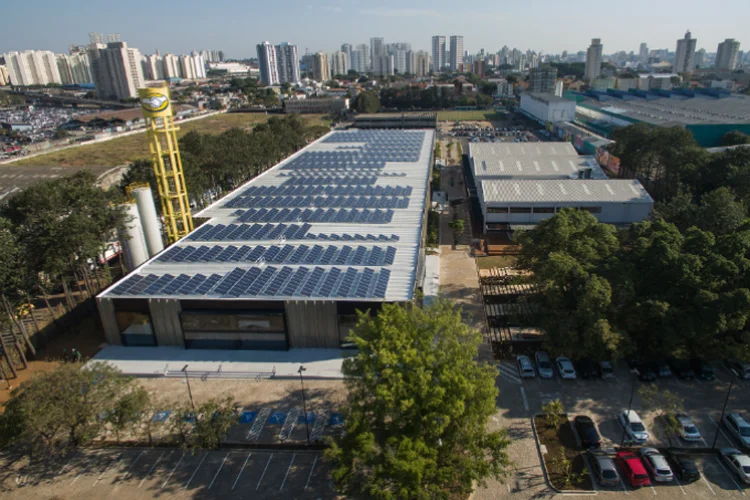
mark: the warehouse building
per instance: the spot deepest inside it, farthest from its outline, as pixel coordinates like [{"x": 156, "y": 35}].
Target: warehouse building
[
  {"x": 546, "y": 108},
  {"x": 289, "y": 258}
]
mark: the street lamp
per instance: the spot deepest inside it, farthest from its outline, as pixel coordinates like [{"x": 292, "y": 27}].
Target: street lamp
[
  {"x": 187, "y": 379},
  {"x": 304, "y": 403},
  {"x": 726, "y": 401}
]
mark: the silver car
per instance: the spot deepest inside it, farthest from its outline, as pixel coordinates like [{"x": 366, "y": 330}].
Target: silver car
[
  {"x": 738, "y": 462},
  {"x": 565, "y": 368},
  {"x": 525, "y": 368},
  {"x": 657, "y": 465},
  {"x": 688, "y": 431},
  {"x": 544, "y": 364},
  {"x": 603, "y": 468},
  {"x": 739, "y": 427}
]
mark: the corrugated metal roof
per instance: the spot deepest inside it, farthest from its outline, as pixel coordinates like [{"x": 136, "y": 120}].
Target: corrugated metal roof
[
  {"x": 520, "y": 160},
  {"x": 339, "y": 220},
  {"x": 565, "y": 191}
]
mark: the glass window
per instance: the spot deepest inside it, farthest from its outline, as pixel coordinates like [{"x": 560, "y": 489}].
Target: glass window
[
  {"x": 592, "y": 210},
  {"x": 544, "y": 210},
  {"x": 497, "y": 210},
  {"x": 233, "y": 322},
  {"x": 135, "y": 328},
  {"x": 520, "y": 210}
]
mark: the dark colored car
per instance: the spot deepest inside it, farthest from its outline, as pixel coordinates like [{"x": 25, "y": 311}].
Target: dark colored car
[
  {"x": 586, "y": 429},
  {"x": 681, "y": 369},
  {"x": 683, "y": 466},
  {"x": 739, "y": 368},
  {"x": 702, "y": 369},
  {"x": 646, "y": 371},
  {"x": 586, "y": 368},
  {"x": 663, "y": 369}
]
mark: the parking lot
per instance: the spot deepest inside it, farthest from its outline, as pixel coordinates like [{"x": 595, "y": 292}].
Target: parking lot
[
  {"x": 703, "y": 401},
  {"x": 176, "y": 473}
]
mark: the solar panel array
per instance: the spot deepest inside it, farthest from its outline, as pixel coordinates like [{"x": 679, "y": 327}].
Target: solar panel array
[
  {"x": 261, "y": 232},
  {"x": 267, "y": 281},
  {"x": 365, "y": 216},
  {"x": 284, "y": 254},
  {"x": 320, "y": 201}
]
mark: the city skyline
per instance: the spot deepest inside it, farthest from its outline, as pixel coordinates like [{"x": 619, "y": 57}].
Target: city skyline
[{"x": 566, "y": 27}]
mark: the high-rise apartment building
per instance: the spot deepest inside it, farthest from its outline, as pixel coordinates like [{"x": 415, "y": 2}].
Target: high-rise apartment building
[
  {"x": 192, "y": 67},
  {"x": 153, "y": 67},
  {"x": 288, "y": 63},
  {"x": 383, "y": 65},
  {"x": 594, "y": 60},
  {"x": 438, "y": 53},
  {"x": 346, "y": 48},
  {"x": 360, "y": 59},
  {"x": 4, "y": 78},
  {"x": 267, "y": 64},
  {"x": 116, "y": 69},
  {"x": 377, "y": 49},
  {"x": 542, "y": 79},
  {"x": 478, "y": 68},
  {"x": 321, "y": 73},
  {"x": 398, "y": 51},
  {"x": 171, "y": 66},
  {"x": 643, "y": 53},
  {"x": 340, "y": 64},
  {"x": 726, "y": 55},
  {"x": 684, "y": 57},
  {"x": 457, "y": 52},
  {"x": 32, "y": 67},
  {"x": 700, "y": 58},
  {"x": 74, "y": 69},
  {"x": 420, "y": 63}
]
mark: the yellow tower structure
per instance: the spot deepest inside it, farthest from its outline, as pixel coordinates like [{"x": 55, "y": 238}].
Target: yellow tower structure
[{"x": 165, "y": 156}]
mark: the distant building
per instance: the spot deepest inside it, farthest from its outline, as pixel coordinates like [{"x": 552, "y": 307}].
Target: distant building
[
  {"x": 116, "y": 69},
  {"x": 726, "y": 55},
  {"x": 398, "y": 51},
  {"x": 288, "y": 63},
  {"x": 321, "y": 72},
  {"x": 457, "y": 52},
  {"x": 643, "y": 53},
  {"x": 542, "y": 79},
  {"x": 438, "y": 53},
  {"x": 360, "y": 58},
  {"x": 684, "y": 59},
  {"x": 340, "y": 63},
  {"x": 418, "y": 63},
  {"x": 316, "y": 105},
  {"x": 700, "y": 58},
  {"x": 548, "y": 108},
  {"x": 153, "y": 67},
  {"x": 171, "y": 66},
  {"x": 192, "y": 67},
  {"x": 32, "y": 67},
  {"x": 377, "y": 49},
  {"x": 383, "y": 65},
  {"x": 478, "y": 68},
  {"x": 75, "y": 69},
  {"x": 594, "y": 60},
  {"x": 269, "y": 68},
  {"x": 4, "y": 79}
]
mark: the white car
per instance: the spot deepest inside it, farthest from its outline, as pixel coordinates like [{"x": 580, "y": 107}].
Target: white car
[
  {"x": 633, "y": 425},
  {"x": 688, "y": 431},
  {"x": 525, "y": 368},
  {"x": 565, "y": 368},
  {"x": 738, "y": 462},
  {"x": 657, "y": 465},
  {"x": 738, "y": 426}
]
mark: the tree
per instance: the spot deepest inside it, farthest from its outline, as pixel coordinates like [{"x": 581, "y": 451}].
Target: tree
[
  {"x": 666, "y": 402},
  {"x": 457, "y": 226},
  {"x": 553, "y": 410},
  {"x": 127, "y": 410},
  {"x": 720, "y": 212},
  {"x": 735, "y": 137},
  {"x": 213, "y": 420},
  {"x": 417, "y": 407},
  {"x": 368, "y": 102}
]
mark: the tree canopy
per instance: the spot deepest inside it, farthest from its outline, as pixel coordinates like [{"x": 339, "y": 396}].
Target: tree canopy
[
  {"x": 417, "y": 408},
  {"x": 368, "y": 102}
]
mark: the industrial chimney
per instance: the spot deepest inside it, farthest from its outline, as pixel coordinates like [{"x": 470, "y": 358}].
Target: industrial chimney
[
  {"x": 131, "y": 236},
  {"x": 149, "y": 220}
]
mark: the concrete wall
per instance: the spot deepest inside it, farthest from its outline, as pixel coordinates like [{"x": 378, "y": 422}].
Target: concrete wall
[
  {"x": 555, "y": 111},
  {"x": 109, "y": 322},
  {"x": 612, "y": 213},
  {"x": 165, "y": 320},
  {"x": 312, "y": 324}
]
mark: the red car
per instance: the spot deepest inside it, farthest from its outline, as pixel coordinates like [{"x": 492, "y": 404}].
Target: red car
[{"x": 633, "y": 469}]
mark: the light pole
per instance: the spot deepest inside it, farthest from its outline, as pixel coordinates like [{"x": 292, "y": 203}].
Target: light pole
[
  {"x": 187, "y": 379},
  {"x": 630, "y": 405},
  {"x": 726, "y": 401},
  {"x": 304, "y": 403}
]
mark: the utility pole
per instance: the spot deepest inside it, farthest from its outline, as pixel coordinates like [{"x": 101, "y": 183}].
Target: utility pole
[
  {"x": 187, "y": 380},
  {"x": 630, "y": 406},
  {"x": 726, "y": 401}
]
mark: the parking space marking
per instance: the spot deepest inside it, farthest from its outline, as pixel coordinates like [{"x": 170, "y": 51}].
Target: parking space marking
[
  {"x": 525, "y": 401},
  {"x": 287, "y": 472},
  {"x": 730, "y": 477},
  {"x": 151, "y": 469},
  {"x": 678, "y": 484},
  {"x": 70, "y": 461},
  {"x": 707, "y": 483},
  {"x": 196, "y": 470},
  {"x": 241, "y": 470},
  {"x": 311, "y": 472},
  {"x": 172, "y": 472},
  {"x": 720, "y": 430},
  {"x": 264, "y": 472},
  {"x": 622, "y": 485},
  {"x": 132, "y": 465},
  {"x": 217, "y": 472},
  {"x": 111, "y": 462}
]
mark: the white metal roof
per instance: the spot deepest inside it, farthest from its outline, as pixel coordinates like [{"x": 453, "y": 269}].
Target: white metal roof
[
  {"x": 565, "y": 191},
  {"x": 338, "y": 220},
  {"x": 519, "y": 150}
]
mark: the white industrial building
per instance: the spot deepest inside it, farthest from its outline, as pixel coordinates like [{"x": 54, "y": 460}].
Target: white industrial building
[{"x": 548, "y": 108}]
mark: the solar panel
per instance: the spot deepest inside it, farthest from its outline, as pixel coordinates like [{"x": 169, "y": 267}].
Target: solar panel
[
  {"x": 327, "y": 288},
  {"x": 277, "y": 282},
  {"x": 261, "y": 281},
  {"x": 295, "y": 282},
  {"x": 314, "y": 280},
  {"x": 364, "y": 283},
  {"x": 347, "y": 283}
]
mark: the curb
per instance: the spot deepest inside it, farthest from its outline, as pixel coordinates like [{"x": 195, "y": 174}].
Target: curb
[{"x": 544, "y": 466}]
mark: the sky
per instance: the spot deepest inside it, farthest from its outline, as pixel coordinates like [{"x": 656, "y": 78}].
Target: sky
[{"x": 236, "y": 26}]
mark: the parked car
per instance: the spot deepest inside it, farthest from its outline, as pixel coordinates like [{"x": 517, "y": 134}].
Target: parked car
[
  {"x": 683, "y": 466},
  {"x": 586, "y": 429},
  {"x": 603, "y": 468},
  {"x": 586, "y": 368},
  {"x": 543, "y": 364},
  {"x": 633, "y": 469},
  {"x": 657, "y": 465},
  {"x": 681, "y": 369},
  {"x": 687, "y": 430},
  {"x": 525, "y": 368},
  {"x": 606, "y": 371},
  {"x": 739, "y": 427},
  {"x": 646, "y": 372},
  {"x": 739, "y": 368},
  {"x": 633, "y": 425},
  {"x": 565, "y": 368},
  {"x": 702, "y": 369},
  {"x": 738, "y": 462},
  {"x": 663, "y": 370}
]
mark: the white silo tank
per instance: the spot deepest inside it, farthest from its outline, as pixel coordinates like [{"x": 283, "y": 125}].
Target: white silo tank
[
  {"x": 131, "y": 236},
  {"x": 149, "y": 219}
]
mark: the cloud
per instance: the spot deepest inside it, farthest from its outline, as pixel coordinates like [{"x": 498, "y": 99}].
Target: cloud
[{"x": 385, "y": 12}]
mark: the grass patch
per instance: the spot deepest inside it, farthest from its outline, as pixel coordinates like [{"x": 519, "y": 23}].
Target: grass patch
[
  {"x": 496, "y": 261},
  {"x": 474, "y": 115},
  {"x": 561, "y": 441},
  {"x": 133, "y": 147}
]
